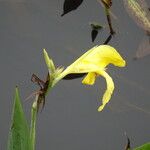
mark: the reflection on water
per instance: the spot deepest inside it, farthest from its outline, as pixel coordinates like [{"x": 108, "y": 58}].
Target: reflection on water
[
  {"x": 122, "y": 103},
  {"x": 139, "y": 11},
  {"x": 143, "y": 49}
]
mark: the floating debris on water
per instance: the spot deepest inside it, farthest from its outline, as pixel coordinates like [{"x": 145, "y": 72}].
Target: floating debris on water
[
  {"x": 70, "y": 5},
  {"x": 95, "y": 29}
]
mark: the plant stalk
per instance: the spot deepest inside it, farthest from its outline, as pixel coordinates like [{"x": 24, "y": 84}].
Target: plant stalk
[{"x": 33, "y": 123}]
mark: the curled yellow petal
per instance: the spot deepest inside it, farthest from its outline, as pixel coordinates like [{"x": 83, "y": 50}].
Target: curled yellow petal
[
  {"x": 109, "y": 90},
  {"x": 103, "y": 55},
  {"x": 96, "y": 58},
  {"x": 90, "y": 78}
]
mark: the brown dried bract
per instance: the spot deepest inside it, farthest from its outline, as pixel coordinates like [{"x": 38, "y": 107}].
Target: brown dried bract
[{"x": 43, "y": 89}]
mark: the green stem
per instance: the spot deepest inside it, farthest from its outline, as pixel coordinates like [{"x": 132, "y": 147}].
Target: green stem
[
  {"x": 33, "y": 123},
  {"x": 61, "y": 76},
  {"x": 112, "y": 32}
]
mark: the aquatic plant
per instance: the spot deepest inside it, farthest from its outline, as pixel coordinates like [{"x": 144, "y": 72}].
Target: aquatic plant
[{"x": 94, "y": 63}]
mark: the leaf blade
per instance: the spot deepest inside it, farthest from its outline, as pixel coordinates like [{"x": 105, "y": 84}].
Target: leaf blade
[
  {"x": 19, "y": 138},
  {"x": 143, "y": 147}
]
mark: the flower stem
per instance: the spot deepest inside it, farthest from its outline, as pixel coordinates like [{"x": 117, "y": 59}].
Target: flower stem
[
  {"x": 112, "y": 32},
  {"x": 33, "y": 123}
]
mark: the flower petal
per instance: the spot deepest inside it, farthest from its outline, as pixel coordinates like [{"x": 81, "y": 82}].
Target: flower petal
[
  {"x": 89, "y": 79},
  {"x": 109, "y": 90},
  {"x": 97, "y": 57},
  {"x": 104, "y": 55}
]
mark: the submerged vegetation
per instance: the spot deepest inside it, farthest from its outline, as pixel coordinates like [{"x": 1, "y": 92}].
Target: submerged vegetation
[{"x": 90, "y": 65}]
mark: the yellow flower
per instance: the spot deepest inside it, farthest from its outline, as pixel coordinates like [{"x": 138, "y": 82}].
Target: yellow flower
[{"x": 94, "y": 63}]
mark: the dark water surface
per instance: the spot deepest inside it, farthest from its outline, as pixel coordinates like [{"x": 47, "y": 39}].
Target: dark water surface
[{"x": 70, "y": 120}]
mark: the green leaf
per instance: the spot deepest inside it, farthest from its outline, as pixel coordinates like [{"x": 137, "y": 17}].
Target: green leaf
[
  {"x": 143, "y": 147},
  {"x": 19, "y": 137}
]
